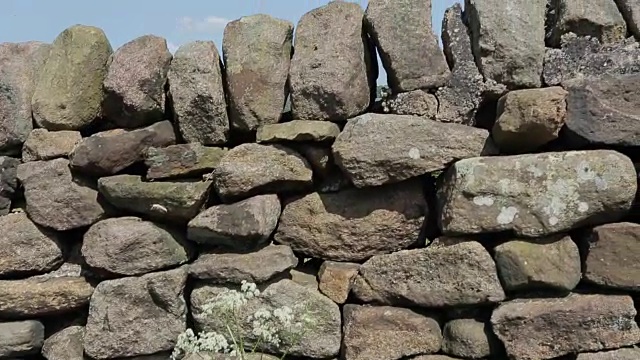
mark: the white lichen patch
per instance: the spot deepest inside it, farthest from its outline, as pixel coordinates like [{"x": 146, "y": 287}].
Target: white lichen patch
[
  {"x": 585, "y": 174},
  {"x": 553, "y": 221},
  {"x": 561, "y": 195},
  {"x": 483, "y": 200},
  {"x": 507, "y": 215},
  {"x": 414, "y": 153},
  {"x": 583, "y": 207}
]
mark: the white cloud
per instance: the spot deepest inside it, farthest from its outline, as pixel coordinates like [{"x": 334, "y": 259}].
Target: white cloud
[{"x": 209, "y": 23}]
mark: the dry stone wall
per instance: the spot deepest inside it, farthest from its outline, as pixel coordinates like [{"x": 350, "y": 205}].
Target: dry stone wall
[{"x": 484, "y": 208}]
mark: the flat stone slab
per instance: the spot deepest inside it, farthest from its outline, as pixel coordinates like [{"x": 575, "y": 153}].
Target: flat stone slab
[{"x": 298, "y": 131}]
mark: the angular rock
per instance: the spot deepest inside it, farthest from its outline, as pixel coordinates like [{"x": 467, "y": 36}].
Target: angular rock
[
  {"x": 20, "y": 338},
  {"x": 630, "y": 10},
  {"x": 413, "y": 146},
  {"x": 468, "y": 339},
  {"x": 325, "y": 85},
  {"x": 69, "y": 93},
  {"x": 109, "y": 152},
  {"x": 457, "y": 275},
  {"x": 196, "y": 91},
  {"x": 175, "y": 202},
  {"x": 536, "y": 195},
  {"x": 257, "y": 55},
  {"x": 354, "y": 224},
  {"x": 387, "y": 333},
  {"x": 155, "y": 300},
  {"x": 335, "y": 280},
  {"x": 65, "y": 344},
  {"x": 417, "y": 102},
  {"x": 306, "y": 277},
  {"x": 408, "y": 47},
  {"x": 135, "y": 82},
  {"x": 182, "y": 160},
  {"x": 253, "y": 169},
  {"x": 8, "y": 182},
  {"x": 600, "y": 19},
  {"x": 256, "y": 267},
  {"x": 508, "y": 41},
  {"x": 298, "y": 131},
  {"x": 55, "y": 199},
  {"x": 620, "y": 354},
  {"x": 47, "y": 145},
  {"x": 530, "y": 329}
]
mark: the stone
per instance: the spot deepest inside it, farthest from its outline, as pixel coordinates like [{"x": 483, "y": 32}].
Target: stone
[
  {"x": 408, "y": 48},
  {"x": 325, "y": 86},
  {"x": 354, "y": 224},
  {"x": 537, "y": 194},
  {"x": 20, "y": 338},
  {"x": 233, "y": 268},
  {"x": 215, "y": 356},
  {"x": 20, "y": 66},
  {"x": 414, "y": 146},
  {"x": 600, "y": 19},
  {"x": 55, "y": 199},
  {"x": 130, "y": 246},
  {"x": 620, "y": 354},
  {"x": 387, "y": 333},
  {"x": 69, "y": 94},
  {"x": 508, "y": 41},
  {"x": 457, "y": 275},
  {"x": 8, "y": 182},
  {"x": 175, "y": 202},
  {"x": 433, "y": 357},
  {"x": 26, "y": 249},
  {"x": 468, "y": 339},
  {"x": 305, "y": 276},
  {"x": 257, "y": 54},
  {"x": 110, "y": 152},
  {"x": 417, "y": 103},
  {"x": 530, "y": 329},
  {"x": 335, "y": 279},
  {"x": 135, "y": 82},
  {"x": 196, "y": 90},
  {"x": 65, "y": 344},
  {"x": 630, "y": 10},
  {"x": 298, "y": 131},
  {"x": 47, "y": 145},
  {"x": 242, "y": 225},
  {"x": 254, "y": 169},
  {"x": 182, "y": 160},
  {"x": 613, "y": 256},
  {"x": 154, "y": 300},
  {"x": 528, "y": 119},
  {"x": 320, "y": 339},
  {"x": 540, "y": 264},
  {"x": 37, "y": 297}
]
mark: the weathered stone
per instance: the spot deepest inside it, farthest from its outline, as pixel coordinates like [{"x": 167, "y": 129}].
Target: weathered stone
[
  {"x": 457, "y": 275},
  {"x": 156, "y": 301},
  {"x": 536, "y": 195},
  {"x": 20, "y": 338},
  {"x": 33, "y": 297},
  {"x": 530, "y": 329},
  {"x": 528, "y": 119},
  {"x": 620, "y": 354},
  {"x": 176, "y": 202},
  {"x": 433, "y": 357},
  {"x": 630, "y": 10},
  {"x": 47, "y": 145},
  {"x": 335, "y": 279},
  {"x": 109, "y": 152},
  {"x": 387, "y": 333},
  {"x": 253, "y": 169},
  {"x": 552, "y": 263},
  {"x": 197, "y": 95},
  {"x": 597, "y": 18},
  {"x": 243, "y": 225},
  {"x": 8, "y": 182},
  {"x": 182, "y": 160},
  {"x": 55, "y": 199},
  {"x": 65, "y": 344},
  {"x": 69, "y": 93},
  {"x": 508, "y": 41},
  {"x": 212, "y": 356},
  {"x": 135, "y": 82},
  {"x": 256, "y": 267},
  {"x": 320, "y": 339},
  {"x": 414, "y": 146},
  {"x": 354, "y": 224},
  {"x": 257, "y": 54},
  {"x": 468, "y": 339},
  {"x": 306, "y": 277},
  {"x": 417, "y": 102},
  {"x": 298, "y": 131},
  {"x": 325, "y": 85}
]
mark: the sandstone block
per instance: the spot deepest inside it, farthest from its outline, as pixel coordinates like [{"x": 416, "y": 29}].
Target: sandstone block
[
  {"x": 182, "y": 160},
  {"x": 468, "y": 339},
  {"x": 47, "y": 145},
  {"x": 298, "y": 131},
  {"x": 335, "y": 279},
  {"x": 20, "y": 338}
]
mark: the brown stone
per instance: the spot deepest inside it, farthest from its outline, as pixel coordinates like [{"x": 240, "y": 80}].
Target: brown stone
[
  {"x": 621, "y": 354},
  {"x": 335, "y": 279},
  {"x": 468, "y": 339},
  {"x": 298, "y": 131}
]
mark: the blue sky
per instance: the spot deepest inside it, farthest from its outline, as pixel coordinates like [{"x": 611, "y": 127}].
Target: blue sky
[{"x": 177, "y": 21}]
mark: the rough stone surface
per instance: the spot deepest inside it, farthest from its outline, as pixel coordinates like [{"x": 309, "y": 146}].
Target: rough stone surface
[
  {"x": 331, "y": 73},
  {"x": 620, "y": 354},
  {"x": 408, "y": 48},
  {"x": 536, "y": 195},
  {"x": 508, "y": 40},
  {"x": 69, "y": 93},
  {"x": 417, "y": 102},
  {"x": 196, "y": 91},
  {"x": 433, "y": 357},
  {"x": 257, "y": 54},
  {"x": 387, "y": 333},
  {"x": 47, "y": 145},
  {"x": 468, "y": 339},
  {"x": 242, "y": 225},
  {"x": 457, "y": 275},
  {"x": 630, "y": 10},
  {"x": 155, "y": 301},
  {"x": 65, "y": 344},
  {"x": 8, "y": 182},
  {"x": 135, "y": 82},
  {"x": 530, "y": 329},
  {"x": 597, "y": 18},
  {"x": 298, "y": 131},
  {"x": 182, "y": 160},
  {"x": 414, "y": 146},
  {"x": 354, "y": 224},
  {"x": 20, "y": 338},
  {"x": 253, "y": 169},
  {"x": 335, "y": 279},
  {"x": 212, "y": 356},
  {"x": 54, "y": 199}
]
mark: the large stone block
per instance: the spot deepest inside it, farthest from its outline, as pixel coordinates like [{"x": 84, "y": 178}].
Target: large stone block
[
  {"x": 20, "y": 338},
  {"x": 600, "y": 19}
]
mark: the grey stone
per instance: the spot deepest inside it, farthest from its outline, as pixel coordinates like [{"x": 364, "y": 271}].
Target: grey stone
[
  {"x": 215, "y": 356},
  {"x": 305, "y": 276},
  {"x": 182, "y": 160},
  {"x": 8, "y": 182},
  {"x": 468, "y": 339},
  {"x": 335, "y": 279},
  {"x": 298, "y": 131},
  {"x": 47, "y": 145},
  {"x": 20, "y": 338},
  {"x": 417, "y": 102},
  {"x": 620, "y": 354},
  {"x": 598, "y": 18},
  {"x": 433, "y": 357},
  {"x": 630, "y": 10},
  {"x": 65, "y": 344}
]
